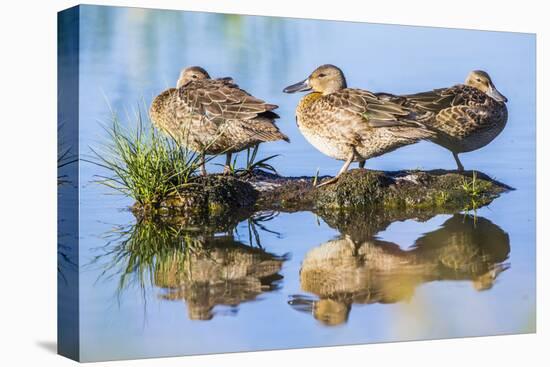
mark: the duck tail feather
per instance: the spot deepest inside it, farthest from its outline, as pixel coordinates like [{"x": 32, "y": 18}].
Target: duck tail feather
[
  {"x": 273, "y": 136},
  {"x": 270, "y": 107}
]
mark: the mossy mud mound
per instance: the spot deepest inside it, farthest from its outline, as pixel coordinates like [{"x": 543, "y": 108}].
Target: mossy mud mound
[
  {"x": 417, "y": 191},
  {"x": 213, "y": 201},
  {"x": 400, "y": 194}
]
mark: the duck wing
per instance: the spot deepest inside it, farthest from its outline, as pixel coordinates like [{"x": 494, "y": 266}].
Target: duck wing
[
  {"x": 431, "y": 101},
  {"x": 354, "y": 113},
  {"x": 373, "y": 110},
  {"x": 221, "y": 99},
  {"x": 439, "y": 99},
  {"x": 459, "y": 108}
]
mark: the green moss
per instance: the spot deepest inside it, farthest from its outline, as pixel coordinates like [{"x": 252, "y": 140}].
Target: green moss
[
  {"x": 409, "y": 189},
  {"x": 441, "y": 198},
  {"x": 357, "y": 188},
  {"x": 207, "y": 199}
]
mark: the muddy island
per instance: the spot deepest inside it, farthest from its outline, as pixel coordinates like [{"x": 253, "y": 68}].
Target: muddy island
[{"x": 216, "y": 198}]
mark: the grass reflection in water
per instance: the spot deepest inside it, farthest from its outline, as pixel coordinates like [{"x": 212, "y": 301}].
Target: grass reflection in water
[{"x": 205, "y": 267}]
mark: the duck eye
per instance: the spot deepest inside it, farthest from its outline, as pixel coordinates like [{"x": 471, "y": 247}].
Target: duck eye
[
  {"x": 194, "y": 76},
  {"x": 478, "y": 79},
  {"x": 322, "y": 75}
]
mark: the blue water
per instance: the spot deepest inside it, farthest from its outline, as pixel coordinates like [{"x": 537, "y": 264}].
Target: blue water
[{"x": 130, "y": 55}]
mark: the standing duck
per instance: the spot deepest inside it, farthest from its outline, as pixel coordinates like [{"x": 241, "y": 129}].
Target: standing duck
[
  {"x": 348, "y": 124},
  {"x": 465, "y": 117},
  {"x": 213, "y": 116}
]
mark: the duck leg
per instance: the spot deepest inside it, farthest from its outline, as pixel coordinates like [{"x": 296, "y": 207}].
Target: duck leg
[
  {"x": 227, "y": 167},
  {"x": 458, "y": 163},
  {"x": 342, "y": 170},
  {"x": 361, "y": 164},
  {"x": 203, "y": 165}
]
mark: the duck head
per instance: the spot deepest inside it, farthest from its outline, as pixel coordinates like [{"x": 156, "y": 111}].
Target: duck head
[
  {"x": 331, "y": 312},
  {"x": 479, "y": 79},
  {"x": 326, "y": 79},
  {"x": 192, "y": 73}
]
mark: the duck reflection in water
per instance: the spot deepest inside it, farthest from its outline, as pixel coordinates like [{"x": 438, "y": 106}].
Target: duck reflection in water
[
  {"x": 224, "y": 272},
  {"x": 199, "y": 266},
  {"x": 351, "y": 270}
]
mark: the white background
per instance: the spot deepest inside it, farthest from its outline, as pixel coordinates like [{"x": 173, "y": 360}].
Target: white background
[{"x": 28, "y": 179}]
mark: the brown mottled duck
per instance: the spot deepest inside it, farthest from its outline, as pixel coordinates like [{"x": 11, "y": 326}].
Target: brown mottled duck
[
  {"x": 214, "y": 116},
  {"x": 348, "y": 124},
  {"x": 465, "y": 117}
]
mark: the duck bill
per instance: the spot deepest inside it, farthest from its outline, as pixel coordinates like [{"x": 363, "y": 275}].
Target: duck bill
[
  {"x": 496, "y": 95},
  {"x": 298, "y": 87}
]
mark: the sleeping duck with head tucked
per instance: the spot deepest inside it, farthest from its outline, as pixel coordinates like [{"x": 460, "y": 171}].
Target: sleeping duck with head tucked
[
  {"x": 465, "y": 117},
  {"x": 213, "y": 116},
  {"x": 349, "y": 124}
]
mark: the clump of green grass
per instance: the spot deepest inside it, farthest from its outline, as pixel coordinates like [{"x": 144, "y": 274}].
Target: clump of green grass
[
  {"x": 316, "y": 178},
  {"x": 65, "y": 156},
  {"x": 144, "y": 164},
  {"x": 473, "y": 192},
  {"x": 441, "y": 198},
  {"x": 252, "y": 164}
]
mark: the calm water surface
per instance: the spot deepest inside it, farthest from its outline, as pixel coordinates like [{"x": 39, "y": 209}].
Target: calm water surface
[{"x": 303, "y": 280}]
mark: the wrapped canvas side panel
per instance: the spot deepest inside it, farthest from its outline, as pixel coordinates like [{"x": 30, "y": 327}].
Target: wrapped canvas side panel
[{"x": 68, "y": 185}]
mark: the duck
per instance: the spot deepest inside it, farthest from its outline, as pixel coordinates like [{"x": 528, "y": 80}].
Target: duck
[
  {"x": 213, "y": 116},
  {"x": 464, "y": 117},
  {"x": 350, "y": 124}
]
